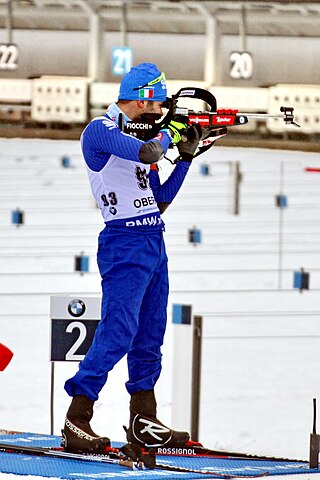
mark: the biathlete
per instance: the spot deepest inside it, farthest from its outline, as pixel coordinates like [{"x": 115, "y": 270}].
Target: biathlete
[{"x": 132, "y": 261}]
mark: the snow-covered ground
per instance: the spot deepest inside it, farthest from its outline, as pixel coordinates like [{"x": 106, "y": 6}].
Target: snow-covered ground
[{"x": 257, "y": 386}]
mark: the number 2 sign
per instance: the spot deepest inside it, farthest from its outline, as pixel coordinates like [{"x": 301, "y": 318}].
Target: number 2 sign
[{"x": 73, "y": 324}]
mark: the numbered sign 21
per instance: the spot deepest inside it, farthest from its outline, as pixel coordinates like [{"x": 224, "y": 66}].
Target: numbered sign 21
[
  {"x": 241, "y": 65},
  {"x": 121, "y": 60}
]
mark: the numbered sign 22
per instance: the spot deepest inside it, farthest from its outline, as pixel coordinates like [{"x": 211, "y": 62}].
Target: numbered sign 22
[
  {"x": 121, "y": 60},
  {"x": 241, "y": 65},
  {"x": 71, "y": 339},
  {"x": 8, "y": 56}
]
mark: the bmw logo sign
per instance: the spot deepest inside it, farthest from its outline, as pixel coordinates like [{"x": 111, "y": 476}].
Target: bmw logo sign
[{"x": 76, "y": 307}]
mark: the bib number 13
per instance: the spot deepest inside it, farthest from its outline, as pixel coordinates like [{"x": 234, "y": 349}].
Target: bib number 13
[
  {"x": 241, "y": 65},
  {"x": 109, "y": 199}
]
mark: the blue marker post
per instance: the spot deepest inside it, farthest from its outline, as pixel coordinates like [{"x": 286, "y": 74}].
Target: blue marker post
[
  {"x": 281, "y": 201},
  {"x": 81, "y": 263},
  {"x": 181, "y": 314},
  {"x": 301, "y": 280},
  {"x": 204, "y": 169},
  {"x": 66, "y": 161},
  {"x": 195, "y": 235},
  {"x": 17, "y": 217}
]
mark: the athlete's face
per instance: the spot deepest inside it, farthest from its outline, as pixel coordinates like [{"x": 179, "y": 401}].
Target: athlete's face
[{"x": 154, "y": 108}]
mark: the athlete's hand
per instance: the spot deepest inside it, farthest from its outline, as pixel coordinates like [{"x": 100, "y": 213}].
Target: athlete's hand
[
  {"x": 187, "y": 149},
  {"x": 177, "y": 129}
]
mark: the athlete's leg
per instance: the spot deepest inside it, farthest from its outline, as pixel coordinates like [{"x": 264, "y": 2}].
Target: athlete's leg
[
  {"x": 144, "y": 365},
  {"x": 124, "y": 281},
  {"x": 144, "y": 356}
]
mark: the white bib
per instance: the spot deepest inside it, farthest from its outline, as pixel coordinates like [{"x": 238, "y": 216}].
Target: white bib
[{"x": 122, "y": 191}]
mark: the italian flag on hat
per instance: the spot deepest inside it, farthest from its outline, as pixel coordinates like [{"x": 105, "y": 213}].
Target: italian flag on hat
[{"x": 146, "y": 93}]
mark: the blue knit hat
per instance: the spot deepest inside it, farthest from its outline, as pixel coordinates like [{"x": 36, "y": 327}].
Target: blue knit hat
[{"x": 144, "y": 82}]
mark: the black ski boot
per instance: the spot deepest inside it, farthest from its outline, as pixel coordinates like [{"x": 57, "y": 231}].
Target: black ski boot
[
  {"x": 145, "y": 429},
  {"x": 77, "y": 435}
]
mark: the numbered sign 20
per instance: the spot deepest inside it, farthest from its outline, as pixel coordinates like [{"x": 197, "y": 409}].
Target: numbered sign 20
[
  {"x": 8, "y": 56},
  {"x": 241, "y": 65}
]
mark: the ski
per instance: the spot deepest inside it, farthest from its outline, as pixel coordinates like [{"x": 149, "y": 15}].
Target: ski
[
  {"x": 119, "y": 459},
  {"x": 197, "y": 449},
  {"x": 173, "y": 468},
  {"x": 60, "y": 453}
]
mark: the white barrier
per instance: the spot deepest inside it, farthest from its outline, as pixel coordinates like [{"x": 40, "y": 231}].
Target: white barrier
[
  {"x": 244, "y": 99},
  {"x": 251, "y": 364},
  {"x": 304, "y": 98},
  {"x": 60, "y": 99},
  {"x": 17, "y": 91}
]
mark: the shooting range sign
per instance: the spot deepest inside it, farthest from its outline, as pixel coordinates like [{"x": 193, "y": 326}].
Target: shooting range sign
[
  {"x": 121, "y": 60},
  {"x": 73, "y": 324},
  {"x": 8, "y": 56},
  {"x": 241, "y": 65}
]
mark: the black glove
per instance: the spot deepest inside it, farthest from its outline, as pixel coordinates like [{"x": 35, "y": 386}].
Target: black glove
[{"x": 187, "y": 149}]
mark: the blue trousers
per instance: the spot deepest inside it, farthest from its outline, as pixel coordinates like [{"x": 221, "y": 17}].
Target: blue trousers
[{"x": 135, "y": 287}]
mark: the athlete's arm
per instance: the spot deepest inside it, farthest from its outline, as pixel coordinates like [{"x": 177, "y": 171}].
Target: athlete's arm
[
  {"x": 164, "y": 194},
  {"x": 103, "y": 138}
]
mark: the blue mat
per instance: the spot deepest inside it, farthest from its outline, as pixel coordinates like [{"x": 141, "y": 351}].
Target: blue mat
[{"x": 26, "y": 464}]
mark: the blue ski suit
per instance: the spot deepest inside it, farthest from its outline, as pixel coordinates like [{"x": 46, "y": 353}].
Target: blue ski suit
[{"x": 131, "y": 256}]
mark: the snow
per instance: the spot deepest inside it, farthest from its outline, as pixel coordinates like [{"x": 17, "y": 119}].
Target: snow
[{"x": 233, "y": 417}]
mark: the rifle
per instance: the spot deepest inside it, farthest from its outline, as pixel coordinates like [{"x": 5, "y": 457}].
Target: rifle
[{"x": 214, "y": 122}]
